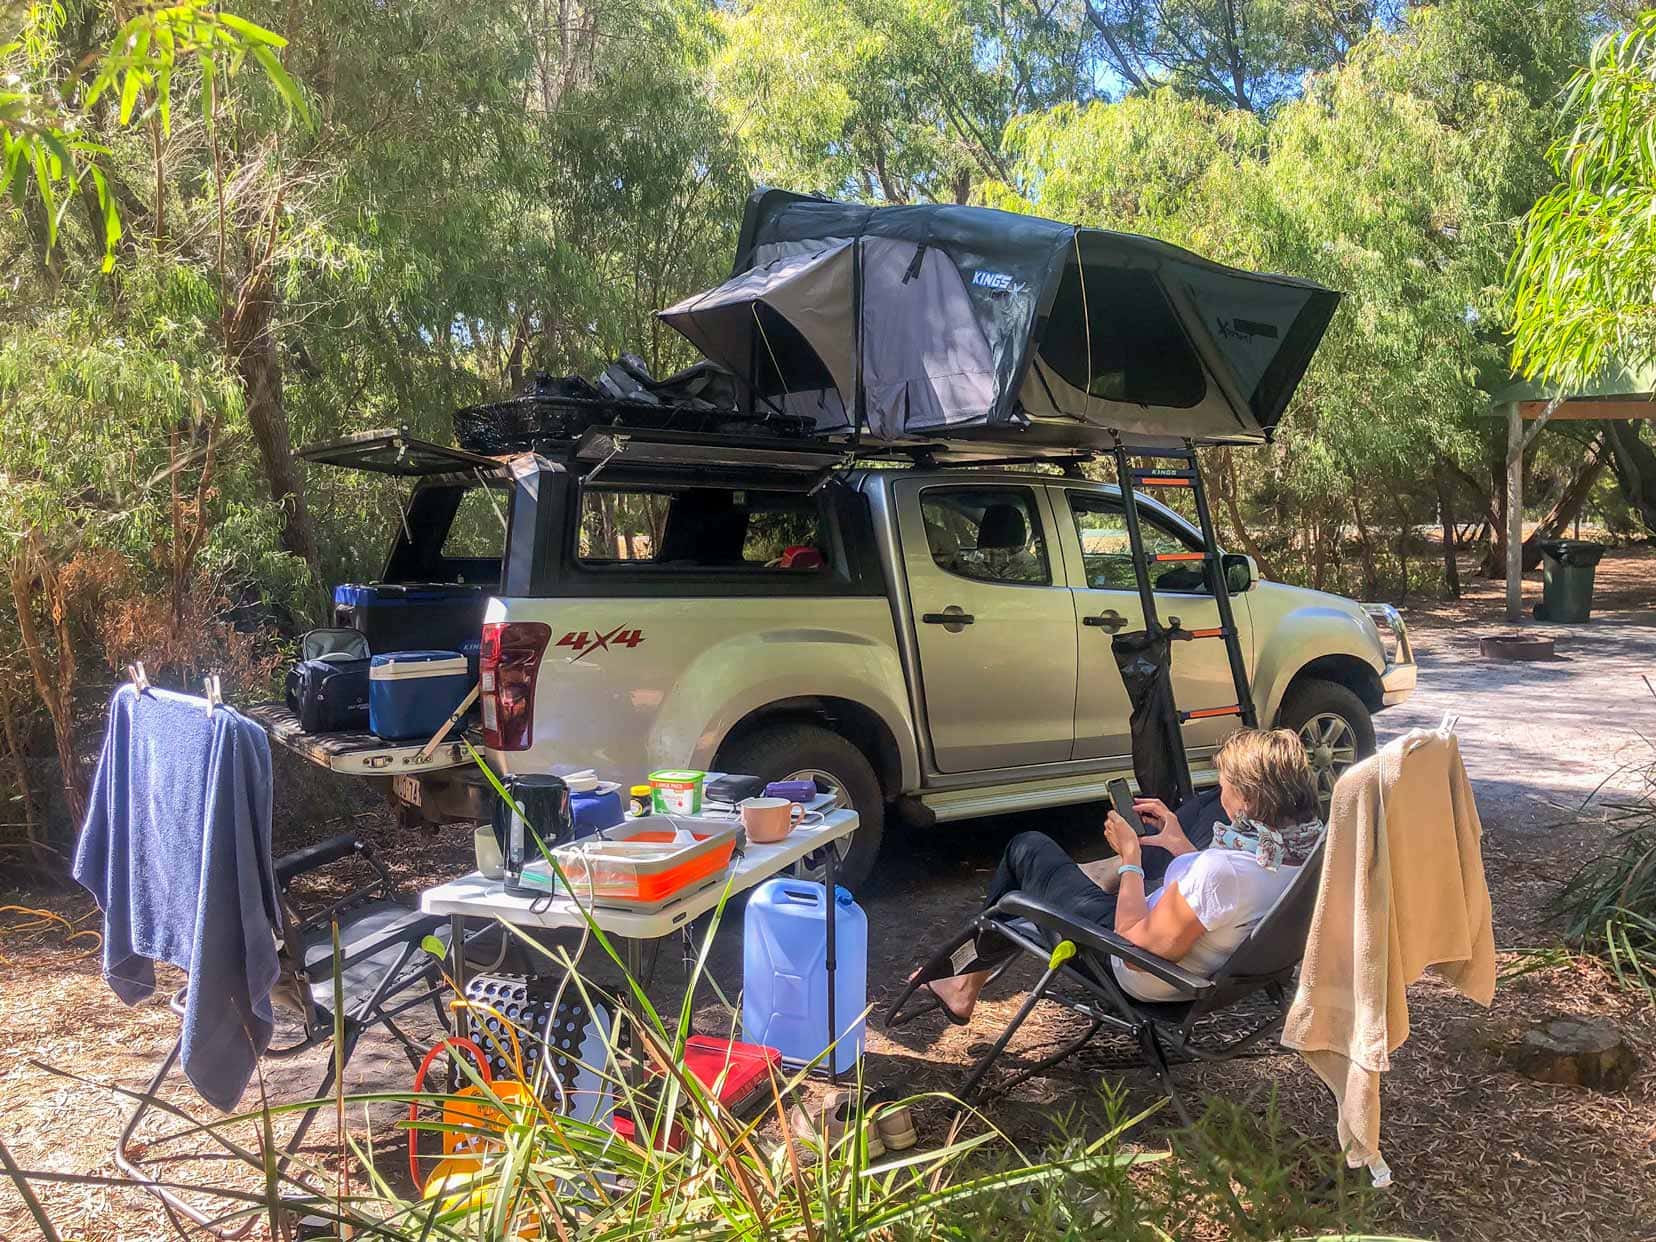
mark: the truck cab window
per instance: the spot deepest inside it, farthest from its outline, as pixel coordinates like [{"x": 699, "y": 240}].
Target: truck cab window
[
  {"x": 1106, "y": 552},
  {"x": 992, "y": 534},
  {"x": 702, "y": 528}
]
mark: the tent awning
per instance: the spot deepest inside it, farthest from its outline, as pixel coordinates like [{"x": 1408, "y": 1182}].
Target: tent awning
[{"x": 923, "y": 321}]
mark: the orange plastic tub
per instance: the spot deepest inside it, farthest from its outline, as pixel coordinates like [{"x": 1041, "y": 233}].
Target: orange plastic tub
[{"x": 640, "y": 864}]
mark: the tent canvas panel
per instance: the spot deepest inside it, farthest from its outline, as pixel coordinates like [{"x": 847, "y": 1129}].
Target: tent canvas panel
[{"x": 937, "y": 320}]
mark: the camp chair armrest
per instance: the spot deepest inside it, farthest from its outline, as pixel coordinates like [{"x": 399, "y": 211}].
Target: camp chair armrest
[
  {"x": 301, "y": 862},
  {"x": 1096, "y": 939}
]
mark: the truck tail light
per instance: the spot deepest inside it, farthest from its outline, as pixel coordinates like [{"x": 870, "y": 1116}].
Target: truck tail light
[{"x": 507, "y": 667}]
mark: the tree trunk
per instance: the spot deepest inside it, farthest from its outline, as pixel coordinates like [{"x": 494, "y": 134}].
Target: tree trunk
[
  {"x": 1365, "y": 547},
  {"x": 1226, "y": 477},
  {"x": 1446, "y": 515},
  {"x": 1569, "y": 503},
  {"x": 1635, "y": 467},
  {"x": 11, "y": 734},
  {"x": 54, "y": 679},
  {"x": 251, "y": 342}
]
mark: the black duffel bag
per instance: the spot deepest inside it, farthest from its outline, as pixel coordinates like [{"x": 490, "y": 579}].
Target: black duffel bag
[{"x": 329, "y": 695}]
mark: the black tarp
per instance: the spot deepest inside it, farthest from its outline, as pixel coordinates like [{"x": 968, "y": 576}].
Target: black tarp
[{"x": 938, "y": 320}]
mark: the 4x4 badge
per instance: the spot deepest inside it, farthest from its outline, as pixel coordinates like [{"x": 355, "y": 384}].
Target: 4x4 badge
[{"x": 585, "y": 644}]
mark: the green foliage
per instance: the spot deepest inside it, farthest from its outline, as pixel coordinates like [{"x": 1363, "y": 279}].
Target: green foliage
[
  {"x": 1392, "y": 178},
  {"x": 1581, "y": 275},
  {"x": 1609, "y": 905},
  {"x": 900, "y": 100}
]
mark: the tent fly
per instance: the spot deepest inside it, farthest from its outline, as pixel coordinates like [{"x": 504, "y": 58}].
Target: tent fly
[{"x": 946, "y": 321}]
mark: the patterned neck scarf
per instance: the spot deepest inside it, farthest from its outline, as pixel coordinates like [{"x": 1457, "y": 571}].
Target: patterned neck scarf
[{"x": 1272, "y": 847}]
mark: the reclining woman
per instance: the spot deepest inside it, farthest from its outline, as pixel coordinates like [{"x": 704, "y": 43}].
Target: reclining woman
[{"x": 1190, "y": 892}]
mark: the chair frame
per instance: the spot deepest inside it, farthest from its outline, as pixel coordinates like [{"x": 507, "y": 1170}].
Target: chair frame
[
  {"x": 1164, "y": 1031},
  {"x": 375, "y": 1009}
]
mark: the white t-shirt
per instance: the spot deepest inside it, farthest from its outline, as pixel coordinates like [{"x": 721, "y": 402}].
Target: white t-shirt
[{"x": 1229, "y": 892}]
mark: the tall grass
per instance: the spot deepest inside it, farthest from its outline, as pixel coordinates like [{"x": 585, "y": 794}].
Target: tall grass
[{"x": 1609, "y": 904}]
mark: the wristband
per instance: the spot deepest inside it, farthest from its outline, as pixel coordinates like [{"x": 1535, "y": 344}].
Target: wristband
[{"x": 1124, "y": 868}]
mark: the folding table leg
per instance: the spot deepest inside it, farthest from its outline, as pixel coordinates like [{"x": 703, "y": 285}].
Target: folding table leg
[
  {"x": 831, "y": 856},
  {"x": 457, "y": 951}
]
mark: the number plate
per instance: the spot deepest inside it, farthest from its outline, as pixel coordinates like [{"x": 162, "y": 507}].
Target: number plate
[{"x": 406, "y": 789}]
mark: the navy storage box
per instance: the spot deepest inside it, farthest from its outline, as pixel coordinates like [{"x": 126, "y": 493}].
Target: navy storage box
[
  {"x": 411, "y": 693},
  {"x": 409, "y": 616}
]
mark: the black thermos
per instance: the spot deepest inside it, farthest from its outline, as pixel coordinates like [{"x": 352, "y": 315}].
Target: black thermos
[{"x": 546, "y": 814}]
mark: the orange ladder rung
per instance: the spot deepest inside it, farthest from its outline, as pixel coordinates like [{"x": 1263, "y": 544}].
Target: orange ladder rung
[{"x": 1208, "y": 713}]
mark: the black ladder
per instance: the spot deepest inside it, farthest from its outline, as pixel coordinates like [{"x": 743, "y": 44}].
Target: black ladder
[{"x": 1183, "y": 473}]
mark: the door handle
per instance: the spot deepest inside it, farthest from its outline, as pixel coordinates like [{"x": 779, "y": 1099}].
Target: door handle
[
  {"x": 952, "y": 618},
  {"x": 1109, "y": 619}
]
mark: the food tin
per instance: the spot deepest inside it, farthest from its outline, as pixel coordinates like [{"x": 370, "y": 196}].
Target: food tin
[{"x": 678, "y": 792}]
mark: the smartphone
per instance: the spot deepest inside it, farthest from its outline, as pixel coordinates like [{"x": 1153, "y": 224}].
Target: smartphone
[{"x": 1121, "y": 797}]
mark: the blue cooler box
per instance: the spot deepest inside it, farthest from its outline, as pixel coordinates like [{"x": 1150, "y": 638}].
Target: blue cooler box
[{"x": 411, "y": 693}]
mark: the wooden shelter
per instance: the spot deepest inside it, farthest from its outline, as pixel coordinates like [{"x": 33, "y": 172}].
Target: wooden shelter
[{"x": 1618, "y": 394}]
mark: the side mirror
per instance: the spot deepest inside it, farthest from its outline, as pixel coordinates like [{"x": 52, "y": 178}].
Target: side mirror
[{"x": 1240, "y": 572}]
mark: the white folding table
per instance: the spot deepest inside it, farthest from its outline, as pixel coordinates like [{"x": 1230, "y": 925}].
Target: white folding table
[{"x": 474, "y": 896}]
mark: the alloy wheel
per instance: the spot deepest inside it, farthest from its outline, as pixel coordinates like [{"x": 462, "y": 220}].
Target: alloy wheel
[
  {"x": 1331, "y": 745},
  {"x": 812, "y": 867}
]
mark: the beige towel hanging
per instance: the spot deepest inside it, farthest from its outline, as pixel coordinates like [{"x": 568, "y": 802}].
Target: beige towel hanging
[{"x": 1402, "y": 890}]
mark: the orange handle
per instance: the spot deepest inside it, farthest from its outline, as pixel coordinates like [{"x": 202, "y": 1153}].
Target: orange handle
[{"x": 453, "y": 1041}]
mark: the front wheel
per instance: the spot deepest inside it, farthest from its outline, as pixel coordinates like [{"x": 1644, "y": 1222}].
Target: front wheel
[
  {"x": 1335, "y": 726},
  {"x": 794, "y": 751}
]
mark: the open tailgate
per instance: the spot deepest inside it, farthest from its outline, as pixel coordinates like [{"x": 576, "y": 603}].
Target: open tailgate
[{"x": 355, "y": 754}]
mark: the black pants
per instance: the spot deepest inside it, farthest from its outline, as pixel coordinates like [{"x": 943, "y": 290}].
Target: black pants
[{"x": 1037, "y": 865}]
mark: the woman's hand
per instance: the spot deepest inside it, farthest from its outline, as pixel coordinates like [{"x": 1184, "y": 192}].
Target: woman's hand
[
  {"x": 1122, "y": 838},
  {"x": 1169, "y": 833}
]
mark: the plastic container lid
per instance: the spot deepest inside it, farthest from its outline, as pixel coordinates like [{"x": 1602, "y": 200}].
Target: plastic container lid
[
  {"x": 584, "y": 781},
  {"x": 641, "y": 791},
  {"x": 394, "y": 665}
]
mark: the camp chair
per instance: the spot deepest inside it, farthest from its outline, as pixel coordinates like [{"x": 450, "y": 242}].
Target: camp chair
[
  {"x": 382, "y": 970},
  {"x": 1077, "y": 955}
]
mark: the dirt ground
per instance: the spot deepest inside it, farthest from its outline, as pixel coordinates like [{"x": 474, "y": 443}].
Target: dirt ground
[{"x": 1478, "y": 1152}]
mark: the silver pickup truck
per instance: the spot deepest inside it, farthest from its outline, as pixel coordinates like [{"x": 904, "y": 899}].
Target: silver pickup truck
[{"x": 931, "y": 643}]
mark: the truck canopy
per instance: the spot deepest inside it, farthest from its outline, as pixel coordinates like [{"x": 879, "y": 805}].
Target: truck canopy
[{"x": 941, "y": 321}]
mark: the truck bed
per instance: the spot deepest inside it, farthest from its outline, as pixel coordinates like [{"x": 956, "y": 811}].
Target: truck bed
[{"x": 358, "y": 753}]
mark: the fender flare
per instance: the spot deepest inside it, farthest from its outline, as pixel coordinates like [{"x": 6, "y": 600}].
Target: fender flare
[{"x": 1304, "y": 637}]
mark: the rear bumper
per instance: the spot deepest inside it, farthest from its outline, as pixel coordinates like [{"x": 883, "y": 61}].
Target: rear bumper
[{"x": 1397, "y": 683}]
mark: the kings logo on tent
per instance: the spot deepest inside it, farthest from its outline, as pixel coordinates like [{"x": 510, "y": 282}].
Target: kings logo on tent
[{"x": 1000, "y": 282}]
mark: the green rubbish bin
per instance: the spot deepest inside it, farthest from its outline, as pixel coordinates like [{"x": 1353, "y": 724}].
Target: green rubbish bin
[{"x": 1567, "y": 579}]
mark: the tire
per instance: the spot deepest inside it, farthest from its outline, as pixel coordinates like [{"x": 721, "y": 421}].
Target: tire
[
  {"x": 1335, "y": 726},
  {"x": 778, "y": 752}
]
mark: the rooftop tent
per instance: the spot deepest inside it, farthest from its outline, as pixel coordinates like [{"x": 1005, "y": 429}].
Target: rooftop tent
[{"x": 939, "y": 320}]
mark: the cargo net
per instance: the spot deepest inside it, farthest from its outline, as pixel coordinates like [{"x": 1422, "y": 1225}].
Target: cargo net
[{"x": 554, "y": 412}]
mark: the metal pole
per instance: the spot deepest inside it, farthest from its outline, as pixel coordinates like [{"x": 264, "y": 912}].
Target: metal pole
[
  {"x": 1514, "y": 513},
  {"x": 831, "y": 962}
]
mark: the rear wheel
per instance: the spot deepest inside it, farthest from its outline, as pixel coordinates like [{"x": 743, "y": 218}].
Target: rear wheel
[
  {"x": 1335, "y": 726},
  {"x": 797, "y": 751}
]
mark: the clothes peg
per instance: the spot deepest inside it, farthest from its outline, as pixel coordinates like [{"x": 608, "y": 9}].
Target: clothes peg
[
  {"x": 1447, "y": 726},
  {"x": 140, "y": 679},
  {"x": 214, "y": 692}
]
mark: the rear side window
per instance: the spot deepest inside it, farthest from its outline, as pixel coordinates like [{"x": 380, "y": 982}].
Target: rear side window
[
  {"x": 479, "y": 525},
  {"x": 992, "y": 534},
  {"x": 700, "y": 529}
]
